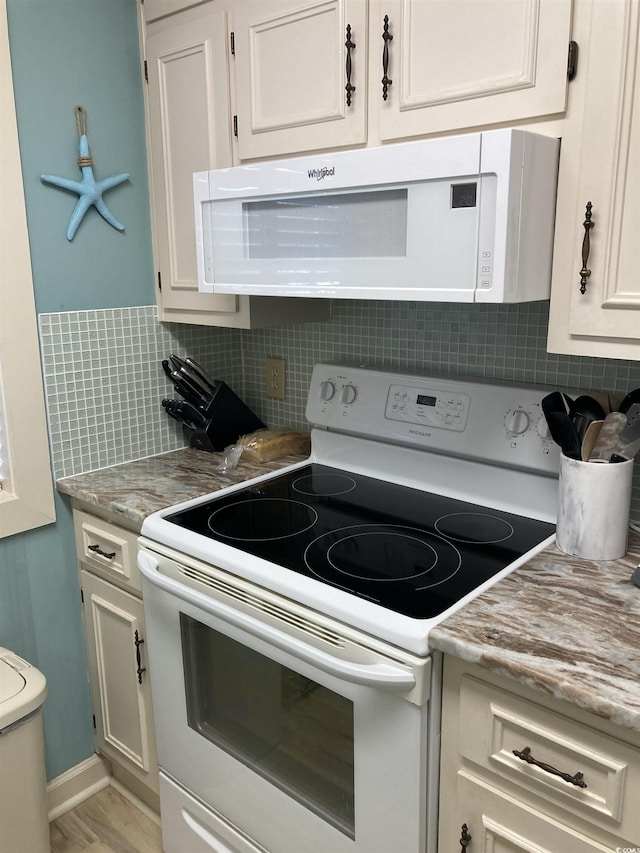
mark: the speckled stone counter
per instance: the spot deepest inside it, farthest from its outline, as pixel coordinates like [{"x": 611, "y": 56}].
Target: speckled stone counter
[
  {"x": 132, "y": 491},
  {"x": 568, "y": 627}
]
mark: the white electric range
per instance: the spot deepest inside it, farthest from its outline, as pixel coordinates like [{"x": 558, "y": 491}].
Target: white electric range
[{"x": 295, "y": 694}]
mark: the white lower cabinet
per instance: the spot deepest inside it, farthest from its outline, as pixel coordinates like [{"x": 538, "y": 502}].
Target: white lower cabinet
[
  {"x": 119, "y": 677},
  {"x": 498, "y": 823},
  {"x": 118, "y": 670},
  {"x": 521, "y": 772}
]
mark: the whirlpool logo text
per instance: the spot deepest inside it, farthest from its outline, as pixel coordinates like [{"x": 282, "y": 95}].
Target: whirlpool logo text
[{"x": 321, "y": 174}]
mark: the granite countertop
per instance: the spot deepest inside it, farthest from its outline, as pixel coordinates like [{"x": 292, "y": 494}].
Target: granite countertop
[
  {"x": 565, "y": 626},
  {"x": 134, "y": 490}
]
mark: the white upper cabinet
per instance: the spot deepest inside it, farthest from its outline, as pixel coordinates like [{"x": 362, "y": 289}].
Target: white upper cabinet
[
  {"x": 154, "y": 9},
  {"x": 189, "y": 130},
  {"x": 469, "y": 63},
  {"x": 419, "y": 67},
  {"x": 595, "y": 305},
  {"x": 293, "y": 63}
]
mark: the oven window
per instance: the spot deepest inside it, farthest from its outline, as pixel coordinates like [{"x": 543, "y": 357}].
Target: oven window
[{"x": 289, "y": 729}]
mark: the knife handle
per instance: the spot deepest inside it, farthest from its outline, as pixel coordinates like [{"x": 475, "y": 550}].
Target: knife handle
[
  {"x": 607, "y": 441},
  {"x": 199, "y": 370}
]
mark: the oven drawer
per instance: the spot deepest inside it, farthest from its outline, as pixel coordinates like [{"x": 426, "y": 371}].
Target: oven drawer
[
  {"x": 188, "y": 825},
  {"x": 497, "y": 723},
  {"x": 107, "y": 550}
]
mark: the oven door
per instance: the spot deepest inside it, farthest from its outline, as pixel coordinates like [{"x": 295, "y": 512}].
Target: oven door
[{"x": 296, "y": 738}]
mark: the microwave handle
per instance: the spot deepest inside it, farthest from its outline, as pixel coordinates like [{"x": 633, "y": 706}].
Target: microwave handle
[{"x": 382, "y": 676}]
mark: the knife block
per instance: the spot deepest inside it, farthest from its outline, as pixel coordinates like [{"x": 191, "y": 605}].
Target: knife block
[{"x": 227, "y": 418}]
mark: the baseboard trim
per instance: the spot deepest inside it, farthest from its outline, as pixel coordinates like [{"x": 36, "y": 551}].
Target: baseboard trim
[
  {"x": 140, "y": 804},
  {"x": 77, "y": 784}
]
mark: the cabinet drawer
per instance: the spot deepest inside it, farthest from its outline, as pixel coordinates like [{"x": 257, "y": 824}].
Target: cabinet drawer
[
  {"x": 108, "y": 550},
  {"x": 498, "y": 823},
  {"x": 495, "y": 723}
]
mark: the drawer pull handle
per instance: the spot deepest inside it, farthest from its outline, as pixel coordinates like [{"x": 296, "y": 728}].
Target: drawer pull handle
[
  {"x": 350, "y": 45},
  {"x": 577, "y": 779},
  {"x": 585, "y": 272},
  {"x": 98, "y": 550},
  {"x": 138, "y": 642},
  {"x": 465, "y": 838},
  {"x": 386, "y": 38}
]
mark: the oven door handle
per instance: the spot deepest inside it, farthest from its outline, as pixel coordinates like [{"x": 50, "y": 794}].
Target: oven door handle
[{"x": 381, "y": 675}]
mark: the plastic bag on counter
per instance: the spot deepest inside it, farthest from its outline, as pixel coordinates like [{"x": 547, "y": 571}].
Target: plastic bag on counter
[{"x": 265, "y": 445}]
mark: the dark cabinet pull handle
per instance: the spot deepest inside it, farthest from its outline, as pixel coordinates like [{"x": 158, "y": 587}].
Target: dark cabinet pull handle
[
  {"x": 525, "y": 755},
  {"x": 465, "y": 838},
  {"x": 98, "y": 550},
  {"x": 350, "y": 45},
  {"x": 586, "y": 248},
  {"x": 386, "y": 37},
  {"x": 138, "y": 642}
]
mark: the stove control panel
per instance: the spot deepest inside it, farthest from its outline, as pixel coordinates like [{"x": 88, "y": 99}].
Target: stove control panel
[
  {"x": 473, "y": 419},
  {"x": 428, "y": 406}
]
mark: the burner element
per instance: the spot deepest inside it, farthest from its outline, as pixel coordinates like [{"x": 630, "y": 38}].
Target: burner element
[
  {"x": 324, "y": 484},
  {"x": 474, "y": 527},
  {"x": 262, "y": 519},
  {"x": 387, "y": 554}
]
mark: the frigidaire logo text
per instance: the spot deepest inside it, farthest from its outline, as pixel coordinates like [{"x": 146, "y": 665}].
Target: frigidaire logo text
[
  {"x": 420, "y": 432},
  {"x": 321, "y": 174}
]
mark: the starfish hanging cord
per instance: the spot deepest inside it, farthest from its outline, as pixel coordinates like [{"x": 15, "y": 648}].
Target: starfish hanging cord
[{"x": 88, "y": 189}]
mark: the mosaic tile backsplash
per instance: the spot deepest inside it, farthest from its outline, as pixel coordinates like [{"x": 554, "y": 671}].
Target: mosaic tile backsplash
[
  {"x": 506, "y": 343},
  {"x": 104, "y": 382}
]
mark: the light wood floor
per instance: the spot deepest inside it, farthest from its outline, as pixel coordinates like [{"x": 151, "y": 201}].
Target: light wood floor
[{"x": 105, "y": 823}]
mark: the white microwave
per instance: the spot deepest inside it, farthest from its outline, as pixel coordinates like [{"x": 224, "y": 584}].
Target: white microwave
[{"x": 453, "y": 219}]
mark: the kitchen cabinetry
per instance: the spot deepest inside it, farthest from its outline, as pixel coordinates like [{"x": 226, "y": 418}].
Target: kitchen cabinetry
[
  {"x": 291, "y": 73},
  {"x": 469, "y": 64},
  {"x": 522, "y": 772},
  {"x": 295, "y": 60},
  {"x": 119, "y": 678},
  {"x": 188, "y": 122},
  {"x": 604, "y": 320}
]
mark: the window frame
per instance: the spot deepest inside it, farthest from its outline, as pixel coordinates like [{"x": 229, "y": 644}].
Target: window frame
[{"x": 26, "y": 498}]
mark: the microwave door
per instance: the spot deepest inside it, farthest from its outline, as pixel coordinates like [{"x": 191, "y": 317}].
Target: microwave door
[{"x": 414, "y": 241}]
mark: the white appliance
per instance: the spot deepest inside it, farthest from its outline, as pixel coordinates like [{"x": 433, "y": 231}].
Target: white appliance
[
  {"x": 458, "y": 219},
  {"x": 296, "y": 697}
]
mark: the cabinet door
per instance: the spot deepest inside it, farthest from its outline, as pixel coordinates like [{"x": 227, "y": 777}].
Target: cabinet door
[
  {"x": 188, "y": 112},
  {"x": 121, "y": 697},
  {"x": 498, "y": 823},
  {"x": 291, "y": 74},
  {"x": 469, "y": 63},
  {"x": 603, "y": 320}
]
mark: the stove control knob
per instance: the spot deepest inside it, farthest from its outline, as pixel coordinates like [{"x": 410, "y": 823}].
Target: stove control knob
[
  {"x": 517, "y": 422},
  {"x": 327, "y": 391},
  {"x": 348, "y": 394},
  {"x": 542, "y": 428}
]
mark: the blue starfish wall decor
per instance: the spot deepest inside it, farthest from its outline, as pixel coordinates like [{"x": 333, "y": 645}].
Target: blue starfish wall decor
[{"x": 88, "y": 189}]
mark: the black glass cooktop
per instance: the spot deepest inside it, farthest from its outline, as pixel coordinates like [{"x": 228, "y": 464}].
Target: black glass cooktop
[{"x": 411, "y": 551}]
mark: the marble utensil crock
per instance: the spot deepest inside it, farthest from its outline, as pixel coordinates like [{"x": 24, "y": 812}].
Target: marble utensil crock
[{"x": 593, "y": 508}]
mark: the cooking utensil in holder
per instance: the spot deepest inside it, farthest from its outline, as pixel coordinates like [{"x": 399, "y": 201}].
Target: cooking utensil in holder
[
  {"x": 225, "y": 419},
  {"x": 593, "y": 508}
]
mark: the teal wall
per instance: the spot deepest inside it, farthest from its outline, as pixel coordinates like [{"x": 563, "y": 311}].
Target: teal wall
[
  {"x": 85, "y": 52},
  {"x": 68, "y": 52}
]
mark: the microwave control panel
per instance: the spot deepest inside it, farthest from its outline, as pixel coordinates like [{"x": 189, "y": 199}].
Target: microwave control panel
[{"x": 428, "y": 407}]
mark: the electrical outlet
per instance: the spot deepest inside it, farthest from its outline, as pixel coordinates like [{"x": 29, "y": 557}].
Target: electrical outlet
[{"x": 275, "y": 368}]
